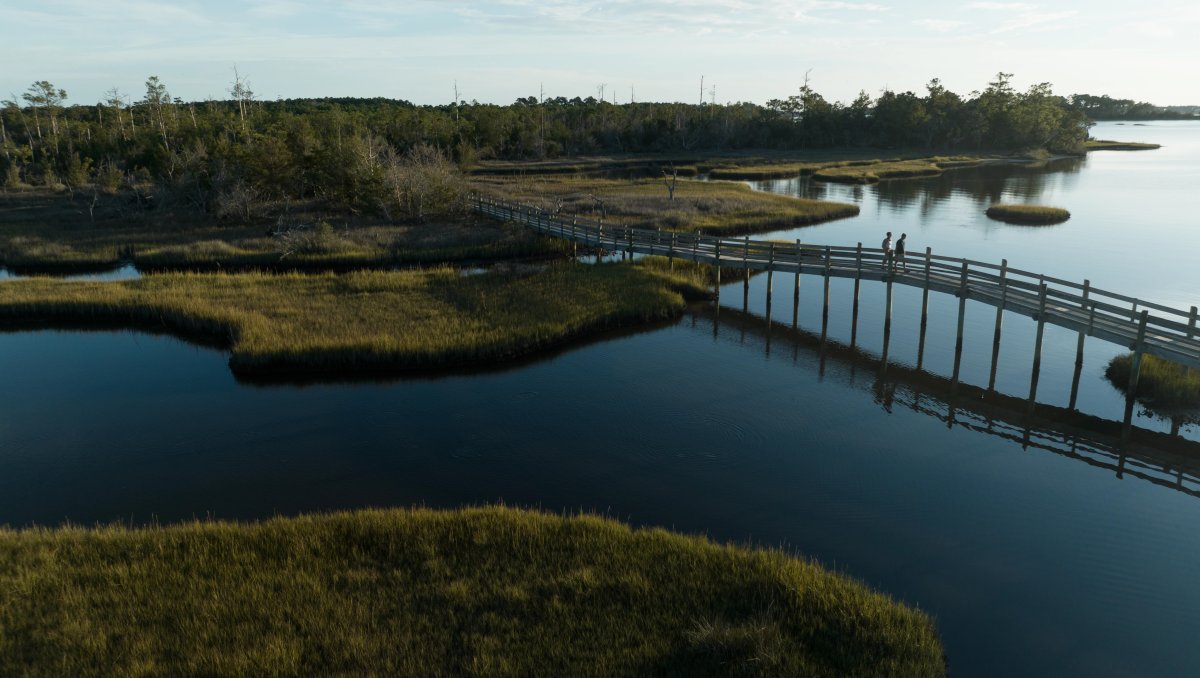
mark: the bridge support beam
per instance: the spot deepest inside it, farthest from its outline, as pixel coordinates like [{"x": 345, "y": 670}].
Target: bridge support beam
[
  {"x": 825, "y": 307},
  {"x": 854, "y": 310},
  {"x": 999, "y": 323},
  {"x": 1037, "y": 346},
  {"x": 1135, "y": 367},
  {"x": 770, "y": 279},
  {"x": 746, "y": 290},
  {"x": 796, "y": 291}
]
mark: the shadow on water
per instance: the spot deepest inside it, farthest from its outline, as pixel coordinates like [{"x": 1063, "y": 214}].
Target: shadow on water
[
  {"x": 1160, "y": 458},
  {"x": 308, "y": 376}
]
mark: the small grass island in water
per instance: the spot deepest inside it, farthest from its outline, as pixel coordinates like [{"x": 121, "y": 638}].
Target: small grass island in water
[
  {"x": 1163, "y": 385},
  {"x": 1035, "y": 215},
  {"x": 480, "y": 591}
]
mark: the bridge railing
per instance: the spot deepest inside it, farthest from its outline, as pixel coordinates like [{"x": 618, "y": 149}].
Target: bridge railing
[{"x": 1120, "y": 318}]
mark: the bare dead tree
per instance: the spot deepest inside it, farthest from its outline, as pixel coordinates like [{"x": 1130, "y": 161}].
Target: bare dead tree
[{"x": 669, "y": 180}]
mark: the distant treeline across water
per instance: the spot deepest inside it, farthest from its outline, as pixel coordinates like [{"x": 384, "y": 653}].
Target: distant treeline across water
[{"x": 341, "y": 150}]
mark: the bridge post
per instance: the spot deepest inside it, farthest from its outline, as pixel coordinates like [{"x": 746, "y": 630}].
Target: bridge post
[
  {"x": 746, "y": 289},
  {"x": 717, "y": 266},
  {"x": 962, "y": 312},
  {"x": 857, "y": 284},
  {"x": 770, "y": 276},
  {"x": 796, "y": 292},
  {"x": 1087, "y": 287},
  {"x": 925, "y": 293},
  {"x": 574, "y": 237},
  {"x": 1135, "y": 368},
  {"x": 825, "y": 309},
  {"x": 1192, "y": 323},
  {"x": 1037, "y": 346},
  {"x": 671, "y": 251},
  {"x": 999, "y": 323}
]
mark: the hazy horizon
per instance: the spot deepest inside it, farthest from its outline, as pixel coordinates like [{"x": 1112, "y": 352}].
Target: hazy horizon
[{"x": 649, "y": 50}]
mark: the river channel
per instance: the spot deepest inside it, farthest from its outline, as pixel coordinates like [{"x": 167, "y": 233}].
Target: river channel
[{"x": 1041, "y": 544}]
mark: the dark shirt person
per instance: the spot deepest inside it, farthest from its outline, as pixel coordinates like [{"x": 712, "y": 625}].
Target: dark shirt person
[{"x": 898, "y": 256}]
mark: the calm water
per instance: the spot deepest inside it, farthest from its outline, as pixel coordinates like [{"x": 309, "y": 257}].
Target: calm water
[{"x": 1052, "y": 557}]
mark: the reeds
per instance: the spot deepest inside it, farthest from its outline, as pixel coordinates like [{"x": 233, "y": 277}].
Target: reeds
[
  {"x": 478, "y": 591},
  {"x": 713, "y": 207},
  {"x": 368, "y": 321},
  {"x": 1164, "y": 386},
  {"x": 1032, "y": 215}
]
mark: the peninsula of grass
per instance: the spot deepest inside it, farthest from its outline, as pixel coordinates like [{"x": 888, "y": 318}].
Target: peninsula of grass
[
  {"x": 1029, "y": 215},
  {"x": 367, "y": 321},
  {"x": 857, "y": 171},
  {"x": 472, "y": 592},
  {"x": 1104, "y": 145},
  {"x": 712, "y": 207},
  {"x": 50, "y": 232},
  {"x": 1164, "y": 386}
]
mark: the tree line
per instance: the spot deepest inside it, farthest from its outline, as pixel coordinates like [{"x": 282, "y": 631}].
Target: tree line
[{"x": 219, "y": 156}]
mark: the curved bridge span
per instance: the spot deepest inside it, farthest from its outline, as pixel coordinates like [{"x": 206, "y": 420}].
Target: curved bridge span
[{"x": 1142, "y": 327}]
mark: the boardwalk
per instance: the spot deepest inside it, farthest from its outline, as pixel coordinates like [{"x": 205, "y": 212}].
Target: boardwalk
[
  {"x": 1164, "y": 459},
  {"x": 1142, "y": 327}
]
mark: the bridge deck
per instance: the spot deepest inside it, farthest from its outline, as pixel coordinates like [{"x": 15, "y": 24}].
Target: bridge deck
[{"x": 1138, "y": 325}]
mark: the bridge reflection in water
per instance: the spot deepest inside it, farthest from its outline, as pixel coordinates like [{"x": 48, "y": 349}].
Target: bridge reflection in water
[{"x": 1161, "y": 458}]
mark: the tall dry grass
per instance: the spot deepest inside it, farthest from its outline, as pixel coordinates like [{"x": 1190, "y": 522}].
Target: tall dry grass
[{"x": 472, "y": 592}]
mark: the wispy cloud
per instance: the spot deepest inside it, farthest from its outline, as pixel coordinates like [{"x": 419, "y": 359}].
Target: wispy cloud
[
  {"x": 1002, "y": 6},
  {"x": 1034, "y": 19},
  {"x": 940, "y": 25}
]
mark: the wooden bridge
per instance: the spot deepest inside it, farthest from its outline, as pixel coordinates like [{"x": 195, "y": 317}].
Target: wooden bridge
[
  {"x": 1141, "y": 326},
  {"x": 1162, "y": 458}
]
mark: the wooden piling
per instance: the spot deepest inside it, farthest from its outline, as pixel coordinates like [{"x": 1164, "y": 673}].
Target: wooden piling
[
  {"x": 1135, "y": 368},
  {"x": 1087, "y": 286},
  {"x": 1037, "y": 346},
  {"x": 770, "y": 275},
  {"x": 796, "y": 292},
  {"x": 925, "y": 291},
  {"x": 825, "y": 308}
]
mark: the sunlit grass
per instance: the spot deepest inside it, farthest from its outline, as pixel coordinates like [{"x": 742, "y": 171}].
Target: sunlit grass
[
  {"x": 481, "y": 591},
  {"x": 45, "y": 231},
  {"x": 714, "y": 207},
  {"x": 1163, "y": 385},
  {"x": 1028, "y": 214},
  {"x": 369, "y": 320},
  {"x": 1104, "y": 145}
]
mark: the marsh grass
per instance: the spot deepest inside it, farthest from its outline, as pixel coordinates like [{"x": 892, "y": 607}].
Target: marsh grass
[
  {"x": 871, "y": 172},
  {"x": 1164, "y": 386},
  {"x": 713, "y": 207},
  {"x": 1033, "y": 215},
  {"x": 471, "y": 592},
  {"x": 1104, "y": 145},
  {"x": 49, "y": 232},
  {"x": 369, "y": 321}
]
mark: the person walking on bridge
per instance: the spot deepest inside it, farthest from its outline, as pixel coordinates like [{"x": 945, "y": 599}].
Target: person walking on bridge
[
  {"x": 899, "y": 254},
  {"x": 887, "y": 252}
]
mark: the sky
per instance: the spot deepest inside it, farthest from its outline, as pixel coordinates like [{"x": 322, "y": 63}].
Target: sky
[{"x": 495, "y": 51}]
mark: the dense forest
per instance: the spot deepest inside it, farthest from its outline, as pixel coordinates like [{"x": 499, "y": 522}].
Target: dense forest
[
  {"x": 1106, "y": 108},
  {"x": 368, "y": 154}
]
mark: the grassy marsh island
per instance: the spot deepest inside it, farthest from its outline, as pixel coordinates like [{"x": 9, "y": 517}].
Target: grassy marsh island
[
  {"x": 713, "y": 207},
  {"x": 1163, "y": 385},
  {"x": 1029, "y": 215},
  {"x": 1104, "y": 145},
  {"x": 369, "y": 321},
  {"x": 53, "y": 231},
  {"x": 480, "y": 591},
  {"x": 874, "y": 171}
]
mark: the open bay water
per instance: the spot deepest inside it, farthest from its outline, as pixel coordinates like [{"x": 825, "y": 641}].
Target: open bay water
[{"x": 1032, "y": 562}]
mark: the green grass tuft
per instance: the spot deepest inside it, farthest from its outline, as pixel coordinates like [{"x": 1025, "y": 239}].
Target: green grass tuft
[
  {"x": 1164, "y": 386},
  {"x": 472, "y": 592},
  {"x": 1033, "y": 215}
]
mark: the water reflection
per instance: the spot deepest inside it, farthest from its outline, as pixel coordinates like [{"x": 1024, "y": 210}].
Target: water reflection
[
  {"x": 1164, "y": 459},
  {"x": 122, "y": 272}
]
